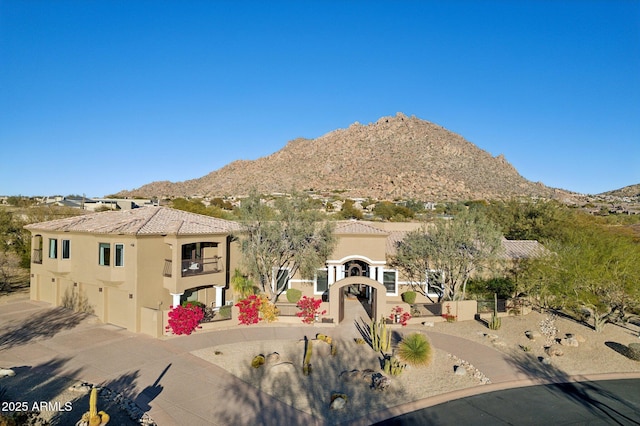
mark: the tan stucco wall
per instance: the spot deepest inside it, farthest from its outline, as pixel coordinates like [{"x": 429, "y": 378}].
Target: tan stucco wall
[
  {"x": 369, "y": 246},
  {"x": 125, "y": 296}
]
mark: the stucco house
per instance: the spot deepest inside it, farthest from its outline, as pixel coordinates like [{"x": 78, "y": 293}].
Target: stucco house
[{"x": 129, "y": 267}]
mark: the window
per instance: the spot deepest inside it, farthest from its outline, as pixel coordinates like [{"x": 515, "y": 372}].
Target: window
[
  {"x": 104, "y": 254},
  {"x": 66, "y": 249},
  {"x": 322, "y": 281},
  {"x": 119, "y": 255},
  {"x": 435, "y": 282},
  {"x": 282, "y": 280},
  {"x": 53, "y": 248},
  {"x": 389, "y": 280}
]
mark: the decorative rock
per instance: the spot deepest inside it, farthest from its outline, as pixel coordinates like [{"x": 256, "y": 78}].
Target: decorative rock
[
  {"x": 7, "y": 372},
  {"x": 81, "y": 388},
  {"x": 492, "y": 336},
  {"x": 367, "y": 375},
  {"x": 380, "y": 382},
  {"x": 428, "y": 323},
  {"x": 499, "y": 343},
  {"x": 554, "y": 351},
  {"x": 532, "y": 334},
  {"x": 459, "y": 370},
  {"x": 546, "y": 361},
  {"x": 570, "y": 341},
  {"x": 338, "y": 403}
]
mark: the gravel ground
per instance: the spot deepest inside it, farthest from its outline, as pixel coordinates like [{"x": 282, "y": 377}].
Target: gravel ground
[
  {"x": 312, "y": 393},
  {"x": 598, "y": 353}
]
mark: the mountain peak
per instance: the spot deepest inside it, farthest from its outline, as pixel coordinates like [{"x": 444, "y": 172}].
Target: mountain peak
[{"x": 395, "y": 157}]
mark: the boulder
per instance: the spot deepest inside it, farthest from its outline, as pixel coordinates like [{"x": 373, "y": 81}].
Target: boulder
[
  {"x": 532, "y": 334},
  {"x": 459, "y": 370},
  {"x": 569, "y": 341},
  {"x": 554, "y": 351},
  {"x": 338, "y": 403},
  {"x": 7, "y": 372},
  {"x": 380, "y": 382}
]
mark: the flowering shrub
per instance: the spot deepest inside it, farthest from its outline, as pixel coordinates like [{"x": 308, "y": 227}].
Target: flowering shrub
[
  {"x": 249, "y": 310},
  {"x": 403, "y": 316},
  {"x": 448, "y": 315},
  {"x": 184, "y": 319},
  {"x": 309, "y": 307},
  {"x": 268, "y": 311}
]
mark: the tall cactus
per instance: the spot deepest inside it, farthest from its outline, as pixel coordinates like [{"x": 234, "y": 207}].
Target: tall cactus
[
  {"x": 495, "y": 322},
  {"x": 306, "y": 364},
  {"x": 380, "y": 335},
  {"x": 94, "y": 417}
]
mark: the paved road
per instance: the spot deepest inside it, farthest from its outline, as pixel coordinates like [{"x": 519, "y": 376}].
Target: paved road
[{"x": 611, "y": 402}]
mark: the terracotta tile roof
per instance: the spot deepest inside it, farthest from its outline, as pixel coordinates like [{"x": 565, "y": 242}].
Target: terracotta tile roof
[
  {"x": 150, "y": 220},
  {"x": 393, "y": 239},
  {"x": 356, "y": 227}
]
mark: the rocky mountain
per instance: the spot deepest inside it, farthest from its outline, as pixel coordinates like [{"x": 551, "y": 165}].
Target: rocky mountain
[
  {"x": 395, "y": 157},
  {"x": 627, "y": 191}
]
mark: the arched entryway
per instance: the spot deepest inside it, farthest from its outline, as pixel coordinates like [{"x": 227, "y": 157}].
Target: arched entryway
[{"x": 377, "y": 295}]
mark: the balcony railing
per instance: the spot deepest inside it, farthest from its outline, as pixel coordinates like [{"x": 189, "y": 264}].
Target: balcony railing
[
  {"x": 192, "y": 267},
  {"x": 36, "y": 256}
]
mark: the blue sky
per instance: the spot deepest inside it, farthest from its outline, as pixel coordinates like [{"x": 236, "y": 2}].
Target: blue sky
[{"x": 100, "y": 96}]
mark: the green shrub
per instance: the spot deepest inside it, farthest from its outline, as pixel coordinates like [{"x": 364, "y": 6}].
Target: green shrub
[
  {"x": 409, "y": 297},
  {"x": 225, "y": 311},
  {"x": 293, "y": 295},
  {"x": 415, "y": 349}
]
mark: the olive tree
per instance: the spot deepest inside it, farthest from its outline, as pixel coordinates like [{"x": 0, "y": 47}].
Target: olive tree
[
  {"x": 282, "y": 241},
  {"x": 458, "y": 247}
]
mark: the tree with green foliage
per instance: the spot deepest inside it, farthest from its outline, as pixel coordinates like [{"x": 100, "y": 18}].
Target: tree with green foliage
[
  {"x": 592, "y": 268},
  {"x": 282, "y": 241},
  {"x": 350, "y": 211},
  {"x": 458, "y": 247},
  {"x": 529, "y": 219},
  {"x": 386, "y": 210}
]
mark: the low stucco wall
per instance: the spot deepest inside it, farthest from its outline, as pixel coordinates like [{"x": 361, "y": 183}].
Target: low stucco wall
[{"x": 151, "y": 321}]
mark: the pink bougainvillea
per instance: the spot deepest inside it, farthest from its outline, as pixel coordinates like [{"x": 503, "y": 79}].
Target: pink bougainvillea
[
  {"x": 309, "y": 308},
  {"x": 184, "y": 319},
  {"x": 403, "y": 317},
  {"x": 249, "y": 310}
]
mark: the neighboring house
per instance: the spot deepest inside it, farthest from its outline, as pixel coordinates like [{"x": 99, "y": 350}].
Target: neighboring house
[{"x": 128, "y": 267}]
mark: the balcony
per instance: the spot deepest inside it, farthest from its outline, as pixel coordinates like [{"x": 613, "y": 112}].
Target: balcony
[{"x": 194, "y": 267}]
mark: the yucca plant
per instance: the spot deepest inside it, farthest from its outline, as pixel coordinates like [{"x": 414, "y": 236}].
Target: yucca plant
[{"x": 415, "y": 349}]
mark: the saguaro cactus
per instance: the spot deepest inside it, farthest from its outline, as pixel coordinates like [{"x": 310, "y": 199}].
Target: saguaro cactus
[
  {"x": 495, "y": 321},
  {"x": 94, "y": 417}
]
